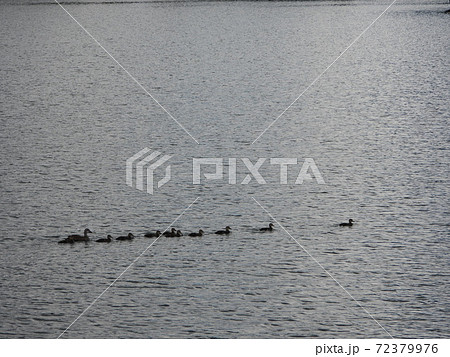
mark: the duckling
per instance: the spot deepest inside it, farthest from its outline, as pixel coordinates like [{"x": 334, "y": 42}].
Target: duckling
[
  {"x": 199, "y": 234},
  {"x": 67, "y": 240},
  {"x": 172, "y": 233},
  {"x": 349, "y": 224},
  {"x": 130, "y": 236},
  {"x": 108, "y": 239},
  {"x": 270, "y": 228},
  {"x": 78, "y": 238},
  {"x": 226, "y": 231},
  {"x": 152, "y": 235},
  {"x": 175, "y": 233}
]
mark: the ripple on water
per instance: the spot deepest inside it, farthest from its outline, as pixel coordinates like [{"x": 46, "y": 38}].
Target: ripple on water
[{"x": 63, "y": 157}]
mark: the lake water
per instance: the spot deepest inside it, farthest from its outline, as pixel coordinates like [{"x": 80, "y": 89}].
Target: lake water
[{"x": 376, "y": 125}]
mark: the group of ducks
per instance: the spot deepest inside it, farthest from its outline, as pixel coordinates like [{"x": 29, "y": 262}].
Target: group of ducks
[{"x": 172, "y": 233}]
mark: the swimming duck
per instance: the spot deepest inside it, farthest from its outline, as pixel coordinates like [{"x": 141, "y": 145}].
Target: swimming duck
[
  {"x": 108, "y": 239},
  {"x": 152, "y": 235},
  {"x": 226, "y": 231},
  {"x": 78, "y": 238},
  {"x": 130, "y": 236},
  {"x": 199, "y": 234},
  {"x": 349, "y": 224},
  {"x": 67, "y": 240},
  {"x": 270, "y": 228},
  {"x": 172, "y": 233}
]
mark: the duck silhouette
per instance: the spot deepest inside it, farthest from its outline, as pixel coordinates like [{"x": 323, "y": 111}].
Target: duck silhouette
[
  {"x": 199, "y": 234},
  {"x": 108, "y": 239},
  {"x": 226, "y": 231},
  {"x": 345, "y": 224},
  {"x": 78, "y": 238},
  {"x": 152, "y": 235},
  {"x": 172, "y": 233},
  {"x": 66, "y": 241},
  {"x": 266, "y": 229},
  {"x": 130, "y": 236}
]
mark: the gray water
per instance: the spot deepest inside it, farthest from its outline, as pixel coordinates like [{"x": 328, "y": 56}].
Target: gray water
[{"x": 376, "y": 124}]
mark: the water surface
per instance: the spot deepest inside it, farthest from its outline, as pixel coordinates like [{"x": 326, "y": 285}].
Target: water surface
[{"x": 376, "y": 125}]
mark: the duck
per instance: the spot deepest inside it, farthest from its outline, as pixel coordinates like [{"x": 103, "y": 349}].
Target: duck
[
  {"x": 130, "y": 236},
  {"x": 78, "y": 238},
  {"x": 66, "y": 240},
  {"x": 152, "y": 235},
  {"x": 108, "y": 239},
  {"x": 345, "y": 224},
  {"x": 172, "y": 233},
  {"x": 199, "y": 234},
  {"x": 226, "y": 231},
  {"x": 266, "y": 229}
]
